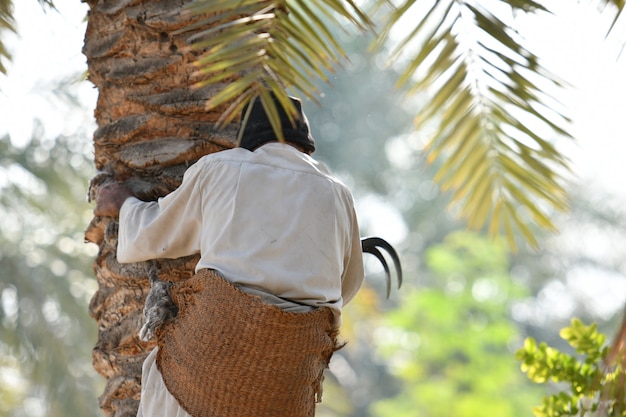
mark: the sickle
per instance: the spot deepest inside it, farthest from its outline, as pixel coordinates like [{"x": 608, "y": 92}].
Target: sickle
[{"x": 371, "y": 245}]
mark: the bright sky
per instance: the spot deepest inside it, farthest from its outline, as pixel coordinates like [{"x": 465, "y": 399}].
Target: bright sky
[
  {"x": 47, "y": 48},
  {"x": 571, "y": 44}
]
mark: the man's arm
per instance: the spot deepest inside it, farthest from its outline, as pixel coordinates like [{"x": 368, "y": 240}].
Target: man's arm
[
  {"x": 110, "y": 198},
  {"x": 170, "y": 227}
]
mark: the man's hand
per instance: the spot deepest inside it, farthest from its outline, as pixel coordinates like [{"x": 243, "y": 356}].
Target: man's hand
[{"x": 110, "y": 198}]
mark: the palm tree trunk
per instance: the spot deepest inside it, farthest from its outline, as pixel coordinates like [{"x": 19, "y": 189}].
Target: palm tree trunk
[{"x": 151, "y": 126}]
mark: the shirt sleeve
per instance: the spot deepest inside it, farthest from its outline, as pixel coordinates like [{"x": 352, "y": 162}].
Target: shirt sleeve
[
  {"x": 167, "y": 228},
  {"x": 353, "y": 275}
]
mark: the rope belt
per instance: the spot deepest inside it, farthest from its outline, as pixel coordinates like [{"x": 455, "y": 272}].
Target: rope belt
[{"x": 227, "y": 354}]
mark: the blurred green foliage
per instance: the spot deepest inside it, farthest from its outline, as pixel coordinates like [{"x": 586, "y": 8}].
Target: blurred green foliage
[
  {"x": 451, "y": 346},
  {"x": 46, "y": 334},
  {"x": 593, "y": 385}
]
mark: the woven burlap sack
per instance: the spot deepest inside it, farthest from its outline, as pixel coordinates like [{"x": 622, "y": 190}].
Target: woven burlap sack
[{"x": 228, "y": 354}]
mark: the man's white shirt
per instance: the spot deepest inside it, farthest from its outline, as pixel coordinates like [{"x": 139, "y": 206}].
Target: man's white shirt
[{"x": 274, "y": 222}]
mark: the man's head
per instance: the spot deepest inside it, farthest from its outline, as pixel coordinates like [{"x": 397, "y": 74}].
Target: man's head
[{"x": 258, "y": 129}]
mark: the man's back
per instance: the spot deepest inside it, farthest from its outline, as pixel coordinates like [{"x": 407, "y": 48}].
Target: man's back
[{"x": 271, "y": 221}]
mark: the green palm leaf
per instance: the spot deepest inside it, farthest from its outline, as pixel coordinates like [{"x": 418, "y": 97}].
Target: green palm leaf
[
  {"x": 486, "y": 109},
  {"x": 255, "y": 47}
]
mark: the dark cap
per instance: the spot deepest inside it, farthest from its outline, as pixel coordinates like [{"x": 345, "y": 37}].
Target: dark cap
[{"x": 258, "y": 130}]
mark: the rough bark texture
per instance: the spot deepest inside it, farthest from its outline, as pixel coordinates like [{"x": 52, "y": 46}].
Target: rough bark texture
[{"x": 151, "y": 126}]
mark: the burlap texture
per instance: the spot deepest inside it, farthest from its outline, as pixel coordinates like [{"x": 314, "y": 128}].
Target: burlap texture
[{"x": 228, "y": 354}]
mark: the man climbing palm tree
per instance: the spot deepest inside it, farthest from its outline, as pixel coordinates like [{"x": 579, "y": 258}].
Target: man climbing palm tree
[{"x": 280, "y": 257}]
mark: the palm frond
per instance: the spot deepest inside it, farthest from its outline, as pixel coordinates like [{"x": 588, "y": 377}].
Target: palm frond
[
  {"x": 485, "y": 103},
  {"x": 619, "y": 4},
  {"x": 262, "y": 46},
  {"x": 6, "y": 23}
]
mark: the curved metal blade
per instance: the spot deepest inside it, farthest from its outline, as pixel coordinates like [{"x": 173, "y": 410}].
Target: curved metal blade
[
  {"x": 374, "y": 251},
  {"x": 371, "y": 245}
]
